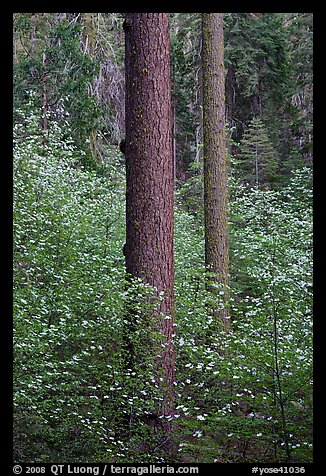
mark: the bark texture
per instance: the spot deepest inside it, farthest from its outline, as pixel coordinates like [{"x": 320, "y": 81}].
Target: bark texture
[
  {"x": 149, "y": 175},
  {"x": 215, "y": 160}
]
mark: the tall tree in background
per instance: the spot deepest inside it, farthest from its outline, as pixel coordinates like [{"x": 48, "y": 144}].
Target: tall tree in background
[
  {"x": 149, "y": 177},
  {"x": 257, "y": 158},
  {"x": 299, "y": 27},
  {"x": 185, "y": 59},
  {"x": 257, "y": 68},
  {"x": 215, "y": 160}
]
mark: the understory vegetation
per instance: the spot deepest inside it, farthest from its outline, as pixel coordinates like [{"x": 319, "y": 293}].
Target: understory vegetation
[{"x": 243, "y": 394}]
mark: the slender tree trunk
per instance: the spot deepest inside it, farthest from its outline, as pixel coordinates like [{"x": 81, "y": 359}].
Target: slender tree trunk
[
  {"x": 150, "y": 177},
  {"x": 32, "y": 36},
  {"x": 88, "y": 47},
  {"x": 215, "y": 159},
  {"x": 256, "y": 165},
  {"x": 44, "y": 124},
  {"x": 230, "y": 84}
]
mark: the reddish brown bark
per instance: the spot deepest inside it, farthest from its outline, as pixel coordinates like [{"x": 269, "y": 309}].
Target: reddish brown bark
[
  {"x": 149, "y": 175},
  {"x": 174, "y": 126}
]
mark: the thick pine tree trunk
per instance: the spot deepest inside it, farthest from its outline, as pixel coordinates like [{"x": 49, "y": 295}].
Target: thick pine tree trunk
[
  {"x": 215, "y": 159},
  {"x": 174, "y": 126},
  {"x": 150, "y": 177}
]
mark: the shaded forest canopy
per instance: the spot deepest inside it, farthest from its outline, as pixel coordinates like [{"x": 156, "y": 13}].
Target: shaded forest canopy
[{"x": 242, "y": 394}]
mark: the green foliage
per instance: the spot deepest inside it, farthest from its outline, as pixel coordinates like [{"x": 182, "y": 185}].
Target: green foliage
[
  {"x": 255, "y": 46},
  {"x": 68, "y": 276},
  {"x": 268, "y": 65},
  {"x": 185, "y": 74},
  {"x": 241, "y": 395},
  {"x": 257, "y": 158},
  {"x": 59, "y": 65},
  {"x": 268, "y": 60},
  {"x": 300, "y": 46},
  {"x": 190, "y": 194},
  {"x": 244, "y": 395}
]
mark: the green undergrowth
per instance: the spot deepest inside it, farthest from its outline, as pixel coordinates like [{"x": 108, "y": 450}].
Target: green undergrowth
[{"x": 241, "y": 395}]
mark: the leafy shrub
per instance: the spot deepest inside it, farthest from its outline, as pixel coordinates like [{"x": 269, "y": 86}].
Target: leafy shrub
[{"x": 242, "y": 395}]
